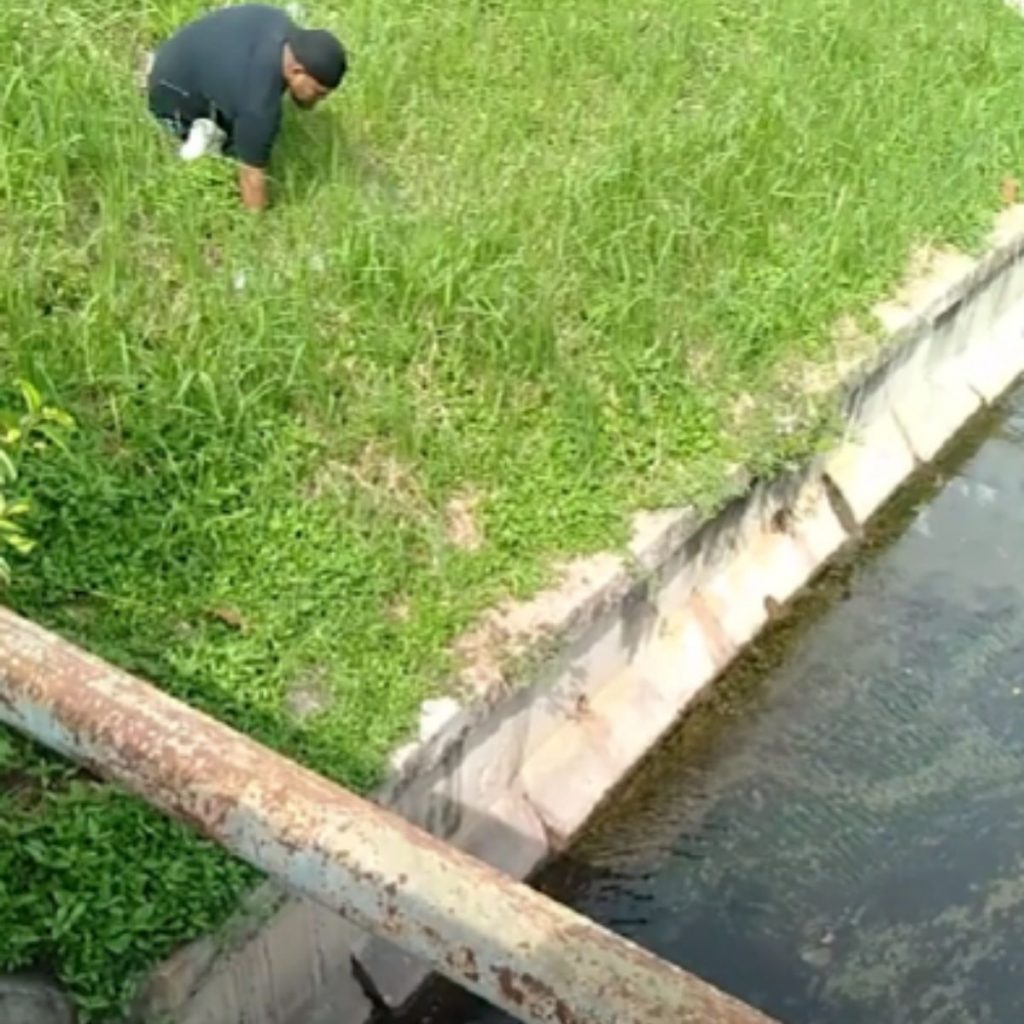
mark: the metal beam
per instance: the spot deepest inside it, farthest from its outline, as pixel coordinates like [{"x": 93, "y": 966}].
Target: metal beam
[{"x": 516, "y": 948}]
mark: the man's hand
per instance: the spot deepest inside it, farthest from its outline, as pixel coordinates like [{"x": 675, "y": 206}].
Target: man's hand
[{"x": 253, "y": 183}]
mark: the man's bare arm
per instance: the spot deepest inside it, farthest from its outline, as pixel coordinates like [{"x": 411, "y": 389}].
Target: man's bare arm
[{"x": 253, "y": 184}]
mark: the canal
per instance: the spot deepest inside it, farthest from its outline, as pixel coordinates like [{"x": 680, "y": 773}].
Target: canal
[{"x": 837, "y": 832}]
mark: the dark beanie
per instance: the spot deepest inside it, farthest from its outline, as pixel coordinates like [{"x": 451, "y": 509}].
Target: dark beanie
[{"x": 320, "y": 54}]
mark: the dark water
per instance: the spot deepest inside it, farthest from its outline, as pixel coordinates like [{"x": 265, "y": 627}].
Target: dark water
[{"x": 838, "y": 835}]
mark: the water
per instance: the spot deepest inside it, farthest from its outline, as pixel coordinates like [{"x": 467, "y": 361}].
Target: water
[{"x": 838, "y": 835}]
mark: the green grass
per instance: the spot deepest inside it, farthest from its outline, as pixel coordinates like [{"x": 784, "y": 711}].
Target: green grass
[
  {"x": 93, "y": 884},
  {"x": 534, "y": 253}
]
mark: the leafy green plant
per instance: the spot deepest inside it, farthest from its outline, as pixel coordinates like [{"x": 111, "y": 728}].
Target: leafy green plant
[
  {"x": 31, "y": 429},
  {"x": 66, "y": 904}
]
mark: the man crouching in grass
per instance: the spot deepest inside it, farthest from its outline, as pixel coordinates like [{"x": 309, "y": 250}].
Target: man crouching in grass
[{"x": 217, "y": 84}]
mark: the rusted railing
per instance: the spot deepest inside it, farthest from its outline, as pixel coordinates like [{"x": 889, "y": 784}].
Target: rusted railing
[{"x": 496, "y": 937}]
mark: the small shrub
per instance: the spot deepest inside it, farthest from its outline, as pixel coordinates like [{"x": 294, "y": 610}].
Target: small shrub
[{"x": 29, "y": 430}]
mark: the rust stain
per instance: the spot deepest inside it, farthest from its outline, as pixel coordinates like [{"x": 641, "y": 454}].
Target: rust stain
[
  {"x": 524, "y": 990},
  {"x": 507, "y": 985},
  {"x": 546, "y": 995},
  {"x": 462, "y": 960},
  {"x": 230, "y": 617}
]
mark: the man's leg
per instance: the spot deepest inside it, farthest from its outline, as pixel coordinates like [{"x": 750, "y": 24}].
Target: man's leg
[
  {"x": 199, "y": 136},
  {"x": 165, "y": 105}
]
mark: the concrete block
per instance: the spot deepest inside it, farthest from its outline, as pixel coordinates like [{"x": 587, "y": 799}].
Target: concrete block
[
  {"x": 172, "y": 983},
  {"x": 928, "y": 394},
  {"x": 435, "y": 715},
  {"x": 588, "y": 757},
  {"x": 568, "y": 778},
  {"x": 476, "y": 770},
  {"x": 1000, "y": 294},
  {"x": 394, "y": 976},
  {"x": 29, "y": 999},
  {"x": 933, "y": 412},
  {"x": 735, "y": 595},
  {"x": 636, "y": 713},
  {"x": 510, "y": 837},
  {"x": 941, "y": 274},
  {"x": 583, "y": 763},
  {"x": 816, "y": 527},
  {"x": 992, "y": 368},
  {"x": 658, "y": 535},
  {"x": 599, "y": 657},
  {"x": 488, "y": 768},
  {"x": 868, "y": 469},
  {"x": 279, "y": 975},
  {"x": 692, "y": 650},
  {"x": 610, "y": 731},
  {"x": 171, "y": 987},
  {"x": 342, "y": 1002}
]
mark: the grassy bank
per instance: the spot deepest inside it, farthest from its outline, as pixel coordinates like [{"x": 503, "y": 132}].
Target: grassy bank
[{"x": 533, "y": 269}]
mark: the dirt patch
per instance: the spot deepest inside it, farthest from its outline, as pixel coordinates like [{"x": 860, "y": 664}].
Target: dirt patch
[
  {"x": 462, "y": 521},
  {"x": 309, "y": 694},
  {"x": 742, "y": 409},
  {"x": 853, "y": 346},
  {"x": 931, "y": 271},
  {"x": 229, "y": 616},
  {"x": 802, "y": 385},
  {"x": 1008, "y": 225},
  {"x": 376, "y": 475},
  {"x": 489, "y": 654},
  {"x": 399, "y": 610}
]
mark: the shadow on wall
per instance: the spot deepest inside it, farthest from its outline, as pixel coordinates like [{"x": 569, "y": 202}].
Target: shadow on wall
[{"x": 33, "y": 999}]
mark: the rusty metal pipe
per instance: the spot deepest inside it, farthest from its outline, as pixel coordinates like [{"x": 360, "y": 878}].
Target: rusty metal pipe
[{"x": 518, "y": 949}]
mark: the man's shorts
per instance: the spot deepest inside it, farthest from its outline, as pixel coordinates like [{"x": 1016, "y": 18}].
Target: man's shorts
[
  {"x": 177, "y": 113},
  {"x": 171, "y": 107}
]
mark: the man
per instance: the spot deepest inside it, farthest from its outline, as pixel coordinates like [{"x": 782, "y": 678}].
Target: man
[{"x": 218, "y": 83}]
